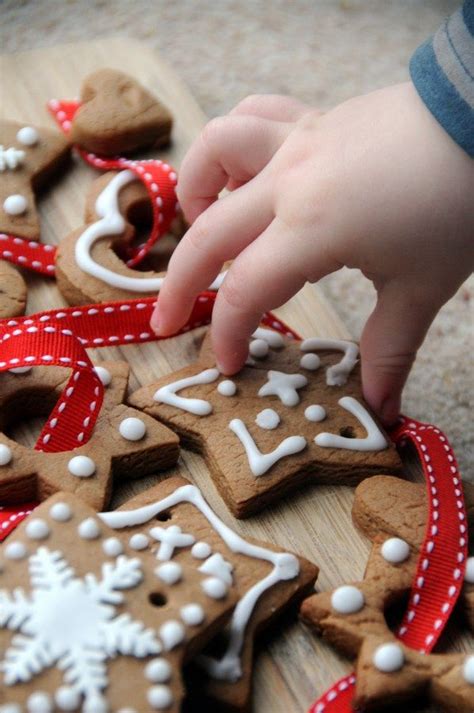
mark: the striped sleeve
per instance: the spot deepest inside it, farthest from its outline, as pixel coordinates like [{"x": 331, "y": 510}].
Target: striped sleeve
[{"x": 442, "y": 70}]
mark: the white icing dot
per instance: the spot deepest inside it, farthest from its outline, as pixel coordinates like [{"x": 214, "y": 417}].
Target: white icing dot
[
  {"x": 61, "y": 512},
  {"x": 214, "y": 587},
  {"x": 104, "y": 375},
  {"x": 469, "y": 574},
  {"x": 39, "y": 702},
  {"x": 347, "y": 599},
  {"x": 227, "y": 388},
  {"x": 169, "y": 572},
  {"x": 37, "y": 529},
  {"x": 314, "y": 412},
  {"x": 112, "y": 547},
  {"x": 159, "y": 697},
  {"x": 66, "y": 698},
  {"x": 388, "y": 658},
  {"x": 468, "y": 670},
  {"x": 89, "y": 529},
  {"x": 20, "y": 370},
  {"x": 192, "y": 614},
  {"x": 139, "y": 541},
  {"x": 15, "y": 204},
  {"x": 5, "y": 454},
  {"x": 171, "y": 633},
  {"x": 28, "y": 136},
  {"x": 268, "y": 419},
  {"x": 132, "y": 429},
  {"x": 15, "y": 551},
  {"x": 259, "y": 348},
  {"x": 158, "y": 671},
  {"x": 11, "y": 708},
  {"x": 81, "y": 466},
  {"x": 310, "y": 362},
  {"x": 395, "y": 550},
  {"x": 201, "y": 550}
]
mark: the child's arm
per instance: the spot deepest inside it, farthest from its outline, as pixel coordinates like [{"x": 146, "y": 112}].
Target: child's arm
[{"x": 375, "y": 184}]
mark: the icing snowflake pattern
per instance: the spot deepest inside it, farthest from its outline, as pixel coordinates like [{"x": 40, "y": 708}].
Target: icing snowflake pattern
[{"x": 73, "y": 622}]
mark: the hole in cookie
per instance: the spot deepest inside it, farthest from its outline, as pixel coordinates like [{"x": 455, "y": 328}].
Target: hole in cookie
[
  {"x": 24, "y": 414},
  {"x": 347, "y": 432},
  {"x": 157, "y": 599},
  {"x": 164, "y": 516}
]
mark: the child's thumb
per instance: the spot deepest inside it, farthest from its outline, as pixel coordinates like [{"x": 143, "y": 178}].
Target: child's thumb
[{"x": 392, "y": 335}]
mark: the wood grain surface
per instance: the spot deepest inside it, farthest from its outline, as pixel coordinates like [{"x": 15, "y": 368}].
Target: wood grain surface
[{"x": 294, "y": 666}]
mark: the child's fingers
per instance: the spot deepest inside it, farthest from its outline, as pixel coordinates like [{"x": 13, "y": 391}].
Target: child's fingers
[
  {"x": 217, "y": 235},
  {"x": 235, "y": 147},
  {"x": 393, "y": 334},
  {"x": 272, "y": 106}
]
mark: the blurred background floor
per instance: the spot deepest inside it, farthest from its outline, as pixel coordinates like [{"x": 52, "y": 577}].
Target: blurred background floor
[{"x": 323, "y": 52}]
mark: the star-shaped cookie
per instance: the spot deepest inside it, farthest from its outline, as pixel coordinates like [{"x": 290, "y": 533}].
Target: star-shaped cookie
[
  {"x": 124, "y": 443},
  {"x": 12, "y": 291},
  {"x": 393, "y": 514},
  {"x": 293, "y": 414}
]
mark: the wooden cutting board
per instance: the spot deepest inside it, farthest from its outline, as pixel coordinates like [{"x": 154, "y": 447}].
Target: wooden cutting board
[{"x": 295, "y": 667}]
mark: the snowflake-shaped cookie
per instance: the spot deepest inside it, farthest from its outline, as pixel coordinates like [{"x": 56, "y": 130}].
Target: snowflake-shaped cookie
[
  {"x": 293, "y": 414},
  {"x": 392, "y": 513},
  {"x": 124, "y": 443}
]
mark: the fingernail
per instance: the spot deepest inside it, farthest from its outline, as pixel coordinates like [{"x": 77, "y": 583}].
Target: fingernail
[{"x": 155, "y": 323}]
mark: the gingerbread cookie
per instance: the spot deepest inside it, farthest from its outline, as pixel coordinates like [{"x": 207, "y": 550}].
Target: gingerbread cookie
[
  {"x": 87, "y": 267},
  {"x": 174, "y": 520},
  {"x": 393, "y": 514},
  {"x": 12, "y": 290},
  {"x": 294, "y": 414},
  {"x": 29, "y": 157},
  {"x": 92, "y": 621},
  {"x": 124, "y": 444},
  {"x": 119, "y": 116}
]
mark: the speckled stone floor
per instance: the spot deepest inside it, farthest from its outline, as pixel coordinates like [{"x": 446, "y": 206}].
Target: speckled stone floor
[{"x": 321, "y": 51}]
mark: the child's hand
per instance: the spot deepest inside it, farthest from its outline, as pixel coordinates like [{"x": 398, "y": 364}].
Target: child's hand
[{"x": 374, "y": 184}]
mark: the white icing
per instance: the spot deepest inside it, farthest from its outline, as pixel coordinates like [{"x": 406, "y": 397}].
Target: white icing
[
  {"x": 469, "y": 573},
  {"x": 468, "y": 670},
  {"x": 61, "y": 512},
  {"x": 139, "y": 541},
  {"x": 273, "y": 339},
  {"x": 227, "y": 388},
  {"x": 171, "y": 633},
  {"x": 388, "y": 658},
  {"x": 284, "y": 386},
  {"x": 192, "y": 614},
  {"x": 260, "y": 462},
  {"x": 347, "y": 599},
  {"x": 112, "y": 222},
  {"x": 11, "y": 708},
  {"x": 15, "y": 551},
  {"x": 160, "y": 697},
  {"x": 199, "y": 407},
  {"x": 268, "y": 419},
  {"x": 217, "y": 566},
  {"x": 285, "y": 567},
  {"x": 310, "y": 362},
  {"x": 104, "y": 375},
  {"x": 39, "y": 702},
  {"x": 337, "y": 374},
  {"x": 170, "y": 538},
  {"x": 132, "y": 429},
  {"x": 395, "y": 550},
  {"x": 158, "y": 671},
  {"x": 89, "y": 529},
  {"x": 315, "y": 413},
  {"x": 10, "y": 158},
  {"x": 112, "y": 547},
  {"x": 21, "y": 370},
  {"x": 72, "y": 622},
  {"x": 81, "y": 466},
  {"x": 201, "y": 550},
  {"x": 37, "y": 529},
  {"x": 28, "y": 136},
  {"x": 15, "y": 204},
  {"x": 169, "y": 572},
  {"x": 259, "y": 348},
  {"x": 214, "y": 587},
  {"x": 374, "y": 441},
  {"x": 5, "y": 454}
]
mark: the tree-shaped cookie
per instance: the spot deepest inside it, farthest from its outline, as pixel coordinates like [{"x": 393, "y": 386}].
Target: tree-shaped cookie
[
  {"x": 293, "y": 414},
  {"x": 124, "y": 443},
  {"x": 393, "y": 514},
  {"x": 175, "y": 522},
  {"x": 92, "y": 621}
]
